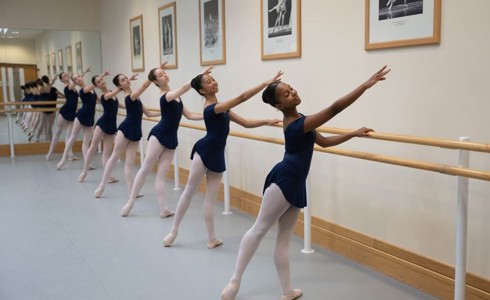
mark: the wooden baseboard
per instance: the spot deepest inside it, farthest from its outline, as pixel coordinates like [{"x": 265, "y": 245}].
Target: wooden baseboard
[
  {"x": 421, "y": 272},
  {"x": 36, "y": 148}
]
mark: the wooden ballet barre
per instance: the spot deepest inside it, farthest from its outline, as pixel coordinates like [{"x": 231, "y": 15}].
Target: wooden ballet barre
[
  {"x": 30, "y": 110},
  {"x": 31, "y": 102},
  {"x": 450, "y": 144},
  {"x": 421, "y": 165}
]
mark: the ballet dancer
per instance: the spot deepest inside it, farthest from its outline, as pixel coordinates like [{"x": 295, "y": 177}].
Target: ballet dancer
[
  {"x": 285, "y": 186},
  {"x": 162, "y": 140},
  {"x": 208, "y": 154},
  {"x": 67, "y": 114},
  {"x": 129, "y": 132},
  {"x": 105, "y": 128},
  {"x": 84, "y": 120}
]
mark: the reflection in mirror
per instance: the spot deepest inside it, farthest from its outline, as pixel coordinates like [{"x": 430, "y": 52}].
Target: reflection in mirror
[{"x": 26, "y": 55}]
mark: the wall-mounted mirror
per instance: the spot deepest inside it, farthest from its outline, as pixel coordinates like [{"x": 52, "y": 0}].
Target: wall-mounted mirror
[{"x": 28, "y": 54}]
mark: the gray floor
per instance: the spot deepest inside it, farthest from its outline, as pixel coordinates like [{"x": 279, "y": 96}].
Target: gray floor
[{"x": 58, "y": 242}]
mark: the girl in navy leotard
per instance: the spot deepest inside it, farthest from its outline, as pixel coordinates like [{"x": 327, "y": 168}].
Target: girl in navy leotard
[
  {"x": 84, "y": 119},
  {"x": 284, "y": 189},
  {"x": 162, "y": 140},
  {"x": 47, "y": 118},
  {"x": 129, "y": 131},
  {"x": 66, "y": 115},
  {"x": 105, "y": 128},
  {"x": 208, "y": 153}
]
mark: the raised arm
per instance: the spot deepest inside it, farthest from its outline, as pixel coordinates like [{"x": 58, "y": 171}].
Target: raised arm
[
  {"x": 53, "y": 80},
  {"x": 90, "y": 88},
  {"x": 330, "y": 141},
  {"x": 191, "y": 115},
  {"x": 251, "y": 123},
  {"x": 171, "y": 95},
  {"x": 85, "y": 72},
  {"x": 320, "y": 118},
  {"x": 111, "y": 94},
  {"x": 226, "y": 106},
  {"x": 135, "y": 95}
]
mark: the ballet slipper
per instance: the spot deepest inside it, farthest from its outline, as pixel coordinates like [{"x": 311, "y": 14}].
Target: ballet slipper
[
  {"x": 139, "y": 195},
  {"x": 60, "y": 165},
  {"x": 215, "y": 243},
  {"x": 98, "y": 192},
  {"x": 229, "y": 289},
  {"x": 112, "y": 180},
  {"x": 166, "y": 213},
  {"x": 81, "y": 178},
  {"x": 91, "y": 167},
  {"x": 126, "y": 209},
  {"x": 294, "y": 294},
  {"x": 73, "y": 158},
  {"x": 169, "y": 240},
  {"x": 48, "y": 157}
]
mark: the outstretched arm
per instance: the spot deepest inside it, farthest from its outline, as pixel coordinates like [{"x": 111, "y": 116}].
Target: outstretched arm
[
  {"x": 135, "y": 95},
  {"x": 150, "y": 113},
  {"x": 251, "y": 123},
  {"x": 330, "y": 141},
  {"x": 320, "y": 118},
  {"x": 171, "y": 95},
  {"x": 191, "y": 115},
  {"x": 226, "y": 106},
  {"x": 53, "y": 80}
]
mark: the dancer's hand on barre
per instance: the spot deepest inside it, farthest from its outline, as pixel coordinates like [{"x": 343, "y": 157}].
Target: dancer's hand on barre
[
  {"x": 378, "y": 76},
  {"x": 362, "y": 132}
]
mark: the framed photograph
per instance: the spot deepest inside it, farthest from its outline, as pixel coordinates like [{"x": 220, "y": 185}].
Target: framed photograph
[
  {"x": 69, "y": 61},
  {"x": 280, "y": 27},
  {"x": 78, "y": 57},
  {"x": 60, "y": 61},
  {"x": 137, "y": 49},
  {"x": 399, "y": 23},
  {"x": 212, "y": 32},
  {"x": 167, "y": 18},
  {"x": 53, "y": 64},
  {"x": 48, "y": 65}
]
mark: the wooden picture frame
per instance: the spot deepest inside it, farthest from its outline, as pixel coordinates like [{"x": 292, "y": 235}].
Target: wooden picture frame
[
  {"x": 78, "y": 57},
  {"x": 212, "y": 33},
  {"x": 137, "y": 44},
  {"x": 53, "y": 64},
  {"x": 167, "y": 20},
  {"x": 60, "y": 61},
  {"x": 69, "y": 59},
  {"x": 400, "y": 23},
  {"x": 280, "y": 27}
]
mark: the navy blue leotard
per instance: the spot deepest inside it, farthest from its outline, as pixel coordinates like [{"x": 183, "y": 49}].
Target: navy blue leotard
[
  {"x": 51, "y": 96},
  {"x": 107, "y": 122},
  {"x": 211, "y": 147},
  {"x": 290, "y": 174},
  {"x": 86, "y": 113},
  {"x": 69, "y": 109},
  {"x": 166, "y": 130},
  {"x": 131, "y": 126}
]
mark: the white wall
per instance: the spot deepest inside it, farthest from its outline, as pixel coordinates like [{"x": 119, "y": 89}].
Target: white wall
[
  {"x": 433, "y": 91},
  {"x": 17, "y": 51}
]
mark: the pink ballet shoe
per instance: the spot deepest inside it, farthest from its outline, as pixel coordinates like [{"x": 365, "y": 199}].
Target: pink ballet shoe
[
  {"x": 169, "y": 240},
  {"x": 229, "y": 290},
  {"x": 60, "y": 165},
  {"x": 71, "y": 158},
  {"x": 294, "y": 294},
  {"x": 215, "y": 243},
  {"x": 98, "y": 192},
  {"x": 48, "y": 157},
  {"x": 126, "y": 209},
  {"x": 166, "y": 213},
  {"x": 91, "y": 167},
  {"x": 81, "y": 177},
  {"x": 112, "y": 180},
  {"x": 139, "y": 195}
]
